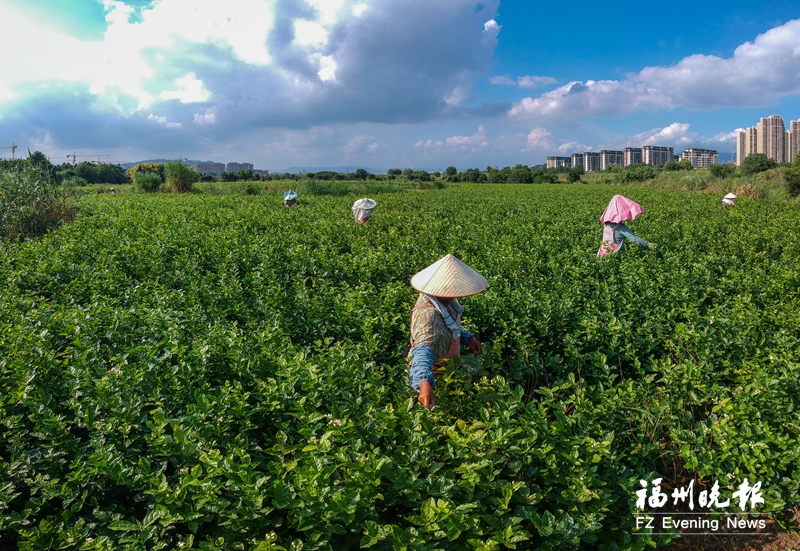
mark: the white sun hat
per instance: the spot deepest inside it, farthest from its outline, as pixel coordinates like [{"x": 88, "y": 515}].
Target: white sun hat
[
  {"x": 730, "y": 196},
  {"x": 363, "y": 208},
  {"x": 448, "y": 277}
]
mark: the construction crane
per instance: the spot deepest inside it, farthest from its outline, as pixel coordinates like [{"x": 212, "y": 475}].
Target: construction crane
[
  {"x": 12, "y": 147},
  {"x": 75, "y": 156}
]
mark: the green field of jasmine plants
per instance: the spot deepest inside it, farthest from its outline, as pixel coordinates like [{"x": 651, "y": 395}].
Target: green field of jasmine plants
[{"x": 205, "y": 371}]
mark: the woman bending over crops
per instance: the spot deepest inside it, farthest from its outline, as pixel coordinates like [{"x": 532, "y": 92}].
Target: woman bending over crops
[
  {"x": 615, "y": 232},
  {"x": 436, "y": 333},
  {"x": 362, "y": 210}
]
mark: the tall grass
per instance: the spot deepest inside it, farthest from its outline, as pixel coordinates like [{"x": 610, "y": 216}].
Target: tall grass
[
  {"x": 178, "y": 178},
  {"x": 31, "y": 203}
]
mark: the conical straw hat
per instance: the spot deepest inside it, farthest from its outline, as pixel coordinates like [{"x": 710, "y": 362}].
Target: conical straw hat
[
  {"x": 730, "y": 196},
  {"x": 448, "y": 277}
]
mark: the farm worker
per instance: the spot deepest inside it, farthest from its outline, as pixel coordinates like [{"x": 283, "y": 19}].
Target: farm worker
[
  {"x": 728, "y": 199},
  {"x": 289, "y": 198},
  {"x": 113, "y": 191},
  {"x": 362, "y": 209},
  {"x": 436, "y": 333},
  {"x": 615, "y": 232}
]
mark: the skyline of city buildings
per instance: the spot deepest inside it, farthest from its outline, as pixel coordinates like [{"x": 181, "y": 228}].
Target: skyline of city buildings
[
  {"x": 771, "y": 138},
  {"x": 647, "y": 154},
  {"x": 216, "y": 169}
]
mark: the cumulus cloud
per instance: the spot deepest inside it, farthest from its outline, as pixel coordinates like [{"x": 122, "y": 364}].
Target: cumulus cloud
[
  {"x": 503, "y": 81},
  {"x": 758, "y": 74},
  {"x": 539, "y": 138},
  {"x": 362, "y": 144},
  {"x": 523, "y": 82},
  {"x": 572, "y": 147},
  {"x": 460, "y": 143},
  {"x": 534, "y": 81},
  {"x": 220, "y": 68}
]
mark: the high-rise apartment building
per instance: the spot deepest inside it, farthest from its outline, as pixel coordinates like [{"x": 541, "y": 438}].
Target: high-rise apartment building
[
  {"x": 632, "y": 156},
  {"x": 772, "y": 138},
  {"x": 700, "y": 158},
  {"x": 591, "y": 161},
  {"x": 608, "y": 158},
  {"x": 577, "y": 160},
  {"x": 556, "y": 162},
  {"x": 793, "y": 141},
  {"x": 747, "y": 144},
  {"x": 211, "y": 168},
  {"x": 656, "y": 155},
  {"x": 237, "y": 167}
]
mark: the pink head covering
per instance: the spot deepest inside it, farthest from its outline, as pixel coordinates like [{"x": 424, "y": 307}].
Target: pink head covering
[{"x": 620, "y": 209}]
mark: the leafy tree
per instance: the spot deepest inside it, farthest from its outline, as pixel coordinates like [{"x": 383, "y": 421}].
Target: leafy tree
[
  {"x": 721, "y": 171},
  {"x": 245, "y": 175},
  {"x": 450, "y": 171},
  {"x": 635, "y": 173},
  {"x": 755, "y": 163},
  {"x": 520, "y": 174},
  {"x": 361, "y": 174},
  {"x": 685, "y": 164},
  {"x": 544, "y": 177},
  {"x": 228, "y": 177},
  {"x": 574, "y": 174},
  {"x": 422, "y": 175},
  {"x": 792, "y": 177},
  {"x": 158, "y": 168}
]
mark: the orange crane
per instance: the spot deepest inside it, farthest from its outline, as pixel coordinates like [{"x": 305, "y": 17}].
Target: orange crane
[
  {"x": 75, "y": 156},
  {"x": 12, "y": 147}
]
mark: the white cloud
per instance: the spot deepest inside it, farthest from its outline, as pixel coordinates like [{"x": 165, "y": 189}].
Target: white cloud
[
  {"x": 539, "y": 138},
  {"x": 361, "y": 143},
  {"x": 188, "y": 89},
  {"x": 724, "y": 138},
  {"x": 534, "y": 81},
  {"x": 503, "y": 81},
  {"x": 491, "y": 27},
  {"x": 206, "y": 117},
  {"x": 461, "y": 143},
  {"x": 309, "y": 33},
  {"x": 523, "y": 82},
  {"x": 573, "y": 147},
  {"x": 759, "y": 73},
  {"x": 327, "y": 69},
  {"x": 675, "y": 134},
  {"x": 163, "y": 121}
]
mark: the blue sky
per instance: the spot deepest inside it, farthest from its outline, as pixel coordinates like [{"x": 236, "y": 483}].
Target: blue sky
[{"x": 389, "y": 83}]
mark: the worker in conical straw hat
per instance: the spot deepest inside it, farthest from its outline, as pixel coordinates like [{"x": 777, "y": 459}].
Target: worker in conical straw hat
[
  {"x": 728, "y": 200},
  {"x": 615, "y": 232},
  {"x": 362, "y": 209},
  {"x": 436, "y": 333},
  {"x": 290, "y": 198}
]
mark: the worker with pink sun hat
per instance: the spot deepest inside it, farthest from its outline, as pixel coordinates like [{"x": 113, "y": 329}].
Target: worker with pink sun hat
[{"x": 615, "y": 232}]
